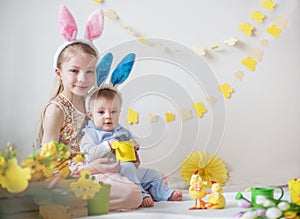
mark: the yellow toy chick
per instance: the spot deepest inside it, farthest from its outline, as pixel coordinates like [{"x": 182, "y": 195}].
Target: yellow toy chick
[
  {"x": 197, "y": 191},
  {"x": 216, "y": 199},
  {"x": 85, "y": 188}
]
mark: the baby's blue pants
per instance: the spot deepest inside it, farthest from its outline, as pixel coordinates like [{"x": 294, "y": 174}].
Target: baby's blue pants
[{"x": 149, "y": 180}]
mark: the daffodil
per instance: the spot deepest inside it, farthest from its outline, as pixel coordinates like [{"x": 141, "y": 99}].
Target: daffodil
[
  {"x": 52, "y": 160},
  {"x": 36, "y": 168},
  {"x": 78, "y": 158}
]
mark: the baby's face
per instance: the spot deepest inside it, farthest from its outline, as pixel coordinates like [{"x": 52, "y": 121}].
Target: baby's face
[{"x": 105, "y": 113}]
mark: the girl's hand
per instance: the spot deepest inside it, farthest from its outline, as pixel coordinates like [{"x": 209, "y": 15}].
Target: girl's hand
[
  {"x": 100, "y": 166},
  {"x": 136, "y": 145},
  {"x": 137, "y": 162}
]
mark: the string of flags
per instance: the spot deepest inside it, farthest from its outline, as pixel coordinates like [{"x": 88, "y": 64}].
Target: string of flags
[{"x": 249, "y": 62}]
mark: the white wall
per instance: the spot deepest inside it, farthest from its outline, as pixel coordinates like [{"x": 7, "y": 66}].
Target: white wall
[{"x": 255, "y": 131}]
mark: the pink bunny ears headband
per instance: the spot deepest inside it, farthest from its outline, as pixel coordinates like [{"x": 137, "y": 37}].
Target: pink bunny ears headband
[{"x": 68, "y": 29}]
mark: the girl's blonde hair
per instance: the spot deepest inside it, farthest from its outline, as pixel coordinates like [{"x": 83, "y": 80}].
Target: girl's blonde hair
[{"x": 64, "y": 56}]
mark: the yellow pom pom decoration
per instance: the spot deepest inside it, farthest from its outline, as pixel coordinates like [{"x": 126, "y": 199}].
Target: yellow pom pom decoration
[{"x": 210, "y": 167}]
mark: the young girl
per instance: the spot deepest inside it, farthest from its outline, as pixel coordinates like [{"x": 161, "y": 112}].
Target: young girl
[{"x": 64, "y": 116}]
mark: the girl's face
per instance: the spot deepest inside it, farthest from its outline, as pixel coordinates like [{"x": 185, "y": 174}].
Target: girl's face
[
  {"x": 105, "y": 113},
  {"x": 78, "y": 74}
]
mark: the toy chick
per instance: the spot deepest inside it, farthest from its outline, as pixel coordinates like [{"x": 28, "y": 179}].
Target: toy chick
[
  {"x": 85, "y": 187},
  {"x": 197, "y": 191},
  {"x": 216, "y": 199}
]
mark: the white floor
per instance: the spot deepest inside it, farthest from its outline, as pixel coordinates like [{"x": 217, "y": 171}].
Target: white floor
[{"x": 168, "y": 210}]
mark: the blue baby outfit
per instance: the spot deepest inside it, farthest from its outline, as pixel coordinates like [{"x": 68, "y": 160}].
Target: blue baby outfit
[
  {"x": 147, "y": 179},
  {"x": 98, "y": 135}
]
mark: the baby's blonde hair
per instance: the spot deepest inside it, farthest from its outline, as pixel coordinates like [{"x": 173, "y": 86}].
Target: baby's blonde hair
[{"x": 106, "y": 93}]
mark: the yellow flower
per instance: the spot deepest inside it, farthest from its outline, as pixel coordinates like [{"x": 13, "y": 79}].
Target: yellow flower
[
  {"x": 78, "y": 158},
  {"x": 11, "y": 151},
  {"x": 290, "y": 214},
  {"x": 2, "y": 161},
  {"x": 63, "y": 169},
  {"x": 15, "y": 178},
  {"x": 36, "y": 166},
  {"x": 67, "y": 155},
  {"x": 48, "y": 149}
]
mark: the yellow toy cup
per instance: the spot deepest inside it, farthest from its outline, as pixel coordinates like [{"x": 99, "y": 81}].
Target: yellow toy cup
[
  {"x": 124, "y": 150},
  {"x": 294, "y": 187}
]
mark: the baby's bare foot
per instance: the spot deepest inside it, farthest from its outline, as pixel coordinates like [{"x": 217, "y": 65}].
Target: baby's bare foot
[
  {"x": 176, "y": 196},
  {"x": 147, "y": 202}
]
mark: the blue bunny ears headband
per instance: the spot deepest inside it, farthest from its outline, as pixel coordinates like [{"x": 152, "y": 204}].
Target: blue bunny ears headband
[{"x": 118, "y": 75}]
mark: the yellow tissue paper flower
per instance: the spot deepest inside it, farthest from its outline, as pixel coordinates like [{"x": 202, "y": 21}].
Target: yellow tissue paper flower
[
  {"x": 239, "y": 75},
  {"x": 123, "y": 26},
  {"x": 231, "y": 41},
  {"x": 153, "y": 118},
  {"x": 111, "y": 14},
  {"x": 85, "y": 187},
  {"x": 274, "y": 31},
  {"x": 246, "y": 28},
  {"x": 143, "y": 40},
  {"x": 199, "y": 108},
  {"x": 212, "y": 100},
  {"x": 170, "y": 117},
  {"x": 257, "y": 16},
  {"x": 15, "y": 178},
  {"x": 199, "y": 50},
  {"x": 226, "y": 90},
  {"x": 268, "y": 4},
  {"x": 264, "y": 42},
  {"x": 249, "y": 63},
  {"x": 256, "y": 54},
  {"x": 281, "y": 22},
  {"x": 214, "y": 47},
  {"x": 185, "y": 114},
  {"x": 210, "y": 167},
  {"x": 132, "y": 117}
]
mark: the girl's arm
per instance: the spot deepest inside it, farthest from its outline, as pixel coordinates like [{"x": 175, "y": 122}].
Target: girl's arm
[
  {"x": 97, "y": 166},
  {"x": 53, "y": 120}
]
